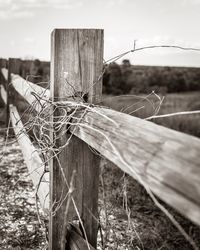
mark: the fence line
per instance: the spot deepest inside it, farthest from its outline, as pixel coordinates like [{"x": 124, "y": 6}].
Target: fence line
[
  {"x": 149, "y": 147},
  {"x": 3, "y": 94},
  {"x": 4, "y": 72},
  {"x": 31, "y": 156},
  {"x": 32, "y": 159},
  {"x": 27, "y": 89},
  {"x": 164, "y": 160}
]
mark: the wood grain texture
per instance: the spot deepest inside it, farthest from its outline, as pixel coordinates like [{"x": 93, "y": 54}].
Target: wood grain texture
[
  {"x": 14, "y": 65},
  {"x": 165, "y": 160},
  {"x": 75, "y": 240},
  {"x": 3, "y": 62},
  {"x": 3, "y": 82},
  {"x": 32, "y": 159},
  {"x": 76, "y": 63},
  {"x": 26, "y": 66},
  {"x": 3, "y": 94},
  {"x": 4, "y": 72},
  {"x": 26, "y": 90}
]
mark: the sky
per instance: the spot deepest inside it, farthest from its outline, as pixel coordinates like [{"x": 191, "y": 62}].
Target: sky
[{"x": 26, "y": 25}]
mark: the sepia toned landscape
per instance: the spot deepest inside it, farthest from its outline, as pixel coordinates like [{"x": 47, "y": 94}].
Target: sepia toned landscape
[{"x": 99, "y": 125}]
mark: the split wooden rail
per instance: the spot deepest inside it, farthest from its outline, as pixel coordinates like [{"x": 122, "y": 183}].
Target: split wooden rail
[{"x": 165, "y": 161}]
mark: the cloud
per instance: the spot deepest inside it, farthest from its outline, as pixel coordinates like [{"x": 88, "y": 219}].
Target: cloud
[
  {"x": 26, "y": 41},
  {"x": 29, "y": 40},
  {"x": 12, "y": 43},
  {"x": 111, "y": 3},
  {"x": 190, "y": 2},
  {"x": 26, "y": 8},
  {"x": 7, "y": 14},
  {"x": 62, "y": 4}
]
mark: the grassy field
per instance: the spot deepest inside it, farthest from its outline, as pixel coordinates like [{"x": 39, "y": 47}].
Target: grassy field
[
  {"x": 146, "y": 106},
  {"x": 145, "y": 226},
  {"x": 129, "y": 218}
]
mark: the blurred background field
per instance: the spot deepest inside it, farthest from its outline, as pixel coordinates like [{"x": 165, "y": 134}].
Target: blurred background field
[
  {"x": 128, "y": 88},
  {"x": 129, "y": 218},
  {"x": 144, "y": 106},
  {"x": 145, "y": 226}
]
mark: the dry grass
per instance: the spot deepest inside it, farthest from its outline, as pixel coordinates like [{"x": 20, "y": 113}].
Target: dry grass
[
  {"x": 144, "y": 225},
  {"x": 135, "y": 222},
  {"x": 136, "y": 106},
  {"x": 150, "y": 228}
]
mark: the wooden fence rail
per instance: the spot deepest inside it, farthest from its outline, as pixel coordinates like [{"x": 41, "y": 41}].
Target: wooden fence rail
[
  {"x": 31, "y": 156},
  {"x": 32, "y": 159},
  {"x": 3, "y": 94},
  {"x": 165, "y": 161},
  {"x": 161, "y": 157},
  {"x": 4, "y": 72},
  {"x": 3, "y": 79},
  {"x": 26, "y": 89}
]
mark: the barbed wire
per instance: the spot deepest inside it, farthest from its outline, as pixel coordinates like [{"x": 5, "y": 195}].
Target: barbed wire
[
  {"x": 67, "y": 122},
  {"x": 115, "y": 58}
]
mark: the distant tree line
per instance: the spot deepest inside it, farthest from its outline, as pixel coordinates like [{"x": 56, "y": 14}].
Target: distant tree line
[{"x": 126, "y": 78}]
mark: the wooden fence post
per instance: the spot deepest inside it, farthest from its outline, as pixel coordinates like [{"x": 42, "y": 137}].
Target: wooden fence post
[
  {"x": 3, "y": 64},
  {"x": 14, "y": 67},
  {"x": 26, "y": 65},
  {"x": 76, "y": 64}
]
